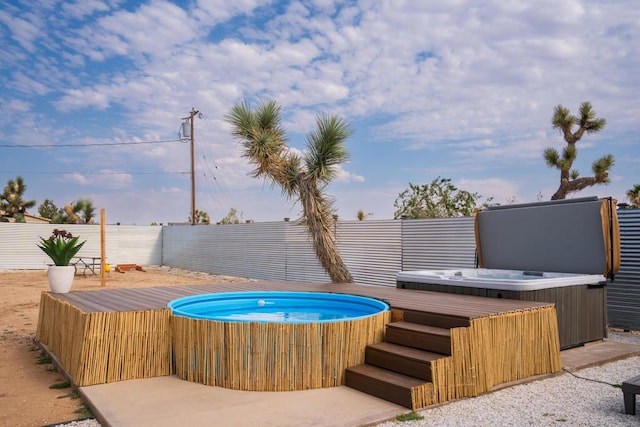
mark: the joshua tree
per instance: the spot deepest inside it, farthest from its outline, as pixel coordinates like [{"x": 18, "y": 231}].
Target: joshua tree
[
  {"x": 263, "y": 139},
  {"x": 12, "y": 204},
  {"x": 634, "y": 196},
  {"x": 80, "y": 212},
  {"x": 570, "y": 180}
]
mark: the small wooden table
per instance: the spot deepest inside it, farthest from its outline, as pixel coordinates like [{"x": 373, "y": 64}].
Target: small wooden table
[
  {"x": 629, "y": 390},
  {"x": 91, "y": 263}
]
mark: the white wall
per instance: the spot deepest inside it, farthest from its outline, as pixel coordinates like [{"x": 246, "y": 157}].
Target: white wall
[{"x": 140, "y": 245}]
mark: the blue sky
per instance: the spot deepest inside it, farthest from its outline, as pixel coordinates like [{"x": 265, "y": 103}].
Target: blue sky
[{"x": 458, "y": 89}]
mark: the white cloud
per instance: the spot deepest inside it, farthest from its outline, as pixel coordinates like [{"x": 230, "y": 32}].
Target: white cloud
[
  {"x": 108, "y": 178},
  {"x": 14, "y": 106},
  {"x": 78, "y": 178},
  {"x": 212, "y": 12},
  {"x": 152, "y": 29},
  {"x": 82, "y": 8},
  {"x": 343, "y": 175},
  {"x": 25, "y": 32},
  {"x": 500, "y": 189},
  {"x": 437, "y": 88},
  {"x": 78, "y": 98},
  {"x": 28, "y": 85}
]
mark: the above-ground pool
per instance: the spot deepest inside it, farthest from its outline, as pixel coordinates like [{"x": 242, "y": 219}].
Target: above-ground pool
[
  {"x": 273, "y": 341},
  {"x": 282, "y": 307},
  {"x": 580, "y": 299}
]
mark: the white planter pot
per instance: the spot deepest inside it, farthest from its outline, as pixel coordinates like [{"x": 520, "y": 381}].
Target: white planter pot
[{"x": 60, "y": 278}]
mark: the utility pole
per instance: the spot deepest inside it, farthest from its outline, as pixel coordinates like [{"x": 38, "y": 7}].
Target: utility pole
[{"x": 192, "y": 114}]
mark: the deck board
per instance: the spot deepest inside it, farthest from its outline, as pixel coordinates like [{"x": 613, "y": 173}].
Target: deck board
[{"x": 154, "y": 298}]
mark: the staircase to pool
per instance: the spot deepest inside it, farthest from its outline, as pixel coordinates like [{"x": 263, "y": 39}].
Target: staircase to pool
[{"x": 401, "y": 366}]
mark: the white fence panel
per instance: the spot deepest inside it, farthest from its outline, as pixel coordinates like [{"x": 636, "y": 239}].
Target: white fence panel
[{"x": 124, "y": 244}]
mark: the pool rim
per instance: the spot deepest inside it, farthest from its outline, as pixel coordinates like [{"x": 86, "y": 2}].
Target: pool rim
[{"x": 379, "y": 305}]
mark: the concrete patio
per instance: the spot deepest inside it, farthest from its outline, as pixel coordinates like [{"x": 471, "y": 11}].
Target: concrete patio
[{"x": 169, "y": 401}]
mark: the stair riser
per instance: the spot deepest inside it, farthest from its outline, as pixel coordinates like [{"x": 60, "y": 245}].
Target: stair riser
[
  {"x": 421, "y": 340},
  {"x": 379, "y": 388},
  {"x": 398, "y": 363}
]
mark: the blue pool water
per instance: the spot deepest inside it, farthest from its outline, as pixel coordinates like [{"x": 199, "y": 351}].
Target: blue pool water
[{"x": 279, "y": 307}]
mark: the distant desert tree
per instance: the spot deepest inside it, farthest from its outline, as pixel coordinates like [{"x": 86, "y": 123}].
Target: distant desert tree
[
  {"x": 633, "y": 195},
  {"x": 361, "y": 216},
  {"x": 439, "y": 199},
  {"x": 230, "y": 218},
  {"x": 570, "y": 180},
  {"x": 305, "y": 178},
  {"x": 47, "y": 209},
  {"x": 201, "y": 217},
  {"x": 12, "y": 203}
]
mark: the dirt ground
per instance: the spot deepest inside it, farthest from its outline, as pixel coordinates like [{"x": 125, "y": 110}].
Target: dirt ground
[{"x": 25, "y": 396}]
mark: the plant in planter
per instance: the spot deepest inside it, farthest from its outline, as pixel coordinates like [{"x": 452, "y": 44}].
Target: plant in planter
[{"x": 61, "y": 247}]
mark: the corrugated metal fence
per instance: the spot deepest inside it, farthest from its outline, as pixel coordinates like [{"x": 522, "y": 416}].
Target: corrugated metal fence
[
  {"x": 623, "y": 294},
  {"x": 373, "y": 250},
  {"x": 438, "y": 243},
  {"x": 267, "y": 250}
]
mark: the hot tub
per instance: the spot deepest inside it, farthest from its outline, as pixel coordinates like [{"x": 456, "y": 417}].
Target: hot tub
[
  {"x": 273, "y": 341},
  {"x": 580, "y": 299}
]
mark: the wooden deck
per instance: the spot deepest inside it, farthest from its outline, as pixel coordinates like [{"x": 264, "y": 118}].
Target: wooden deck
[
  {"x": 134, "y": 299},
  {"x": 432, "y": 348}
]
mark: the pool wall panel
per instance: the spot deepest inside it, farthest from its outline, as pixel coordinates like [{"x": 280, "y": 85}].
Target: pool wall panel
[
  {"x": 257, "y": 356},
  {"x": 103, "y": 347}
]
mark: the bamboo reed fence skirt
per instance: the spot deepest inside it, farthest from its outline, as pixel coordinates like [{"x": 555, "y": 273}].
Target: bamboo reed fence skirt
[{"x": 108, "y": 335}]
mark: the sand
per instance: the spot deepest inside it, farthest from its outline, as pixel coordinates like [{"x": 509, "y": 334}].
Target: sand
[{"x": 25, "y": 396}]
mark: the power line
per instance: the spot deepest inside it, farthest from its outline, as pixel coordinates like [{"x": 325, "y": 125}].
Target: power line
[
  {"x": 100, "y": 173},
  {"x": 91, "y": 144}
]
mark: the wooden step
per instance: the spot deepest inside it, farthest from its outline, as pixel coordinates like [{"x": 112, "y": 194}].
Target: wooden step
[
  {"x": 387, "y": 385},
  {"x": 424, "y": 337},
  {"x": 404, "y": 360},
  {"x": 447, "y": 321}
]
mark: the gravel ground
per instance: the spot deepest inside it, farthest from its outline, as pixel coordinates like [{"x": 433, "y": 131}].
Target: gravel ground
[
  {"x": 594, "y": 399},
  {"x": 562, "y": 400},
  {"x": 84, "y": 423}
]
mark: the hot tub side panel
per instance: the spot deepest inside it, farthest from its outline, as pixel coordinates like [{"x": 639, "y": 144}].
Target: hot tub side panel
[
  {"x": 447, "y": 289},
  {"x": 581, "y": 310}
]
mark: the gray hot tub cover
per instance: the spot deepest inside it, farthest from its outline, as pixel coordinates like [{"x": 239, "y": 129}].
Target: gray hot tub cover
[{"x": 566, "y": 236}]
